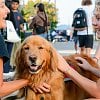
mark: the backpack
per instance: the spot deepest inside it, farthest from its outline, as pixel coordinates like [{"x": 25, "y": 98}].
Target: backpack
[{"x": 79, "y": 20}]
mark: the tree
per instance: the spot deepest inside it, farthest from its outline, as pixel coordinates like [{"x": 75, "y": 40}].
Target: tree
[{"x": 29, "y": 11}]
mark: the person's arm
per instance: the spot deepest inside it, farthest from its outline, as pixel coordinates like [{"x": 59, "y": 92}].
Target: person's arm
[
  {"x": 11, "y": 86},
  {"x": 8, "y": 87},
  {"x": 95, "y": 71},
  {"x": 86, "y": 84},
  {"x": 85, "y": 65},
  {"x": 71, "y": 32}
]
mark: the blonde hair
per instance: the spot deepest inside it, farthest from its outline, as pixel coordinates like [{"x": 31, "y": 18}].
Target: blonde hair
[
  {"x": 86, "y": 2},
  {"x": 97, "y": 7}
]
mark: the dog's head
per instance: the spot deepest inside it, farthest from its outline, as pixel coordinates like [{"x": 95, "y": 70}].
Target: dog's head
[{"x": 35, "y": 54}]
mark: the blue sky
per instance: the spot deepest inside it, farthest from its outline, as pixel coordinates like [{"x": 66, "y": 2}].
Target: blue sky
[{"x": 66, "y": 9}]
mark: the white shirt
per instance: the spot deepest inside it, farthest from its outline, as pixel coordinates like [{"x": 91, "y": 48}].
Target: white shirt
[{"x": 89, "y": 13}]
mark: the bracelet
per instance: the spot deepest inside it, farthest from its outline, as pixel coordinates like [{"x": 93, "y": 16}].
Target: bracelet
[{"x": 96, "y": 58}]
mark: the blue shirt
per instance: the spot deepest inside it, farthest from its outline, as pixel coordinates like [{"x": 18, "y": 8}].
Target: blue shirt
[
  {"x": 18, "y": 20},
  {"x": 3, "y": 50}
]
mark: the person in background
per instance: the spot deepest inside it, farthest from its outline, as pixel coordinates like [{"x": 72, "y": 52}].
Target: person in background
[
  {"x": 17, "y": 19},
  {"x": 86, "y": 36},
  {"x": 68, "y": 34},
  {"x": 74, "y": 36},
  {"x": 40, "y": 22},
  {"x": 96, "y": 24}
]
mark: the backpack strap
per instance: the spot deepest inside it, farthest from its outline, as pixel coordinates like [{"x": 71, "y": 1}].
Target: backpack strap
[
  {"x": 45, "y": 22},
  {"x": 86, "y": 20}
]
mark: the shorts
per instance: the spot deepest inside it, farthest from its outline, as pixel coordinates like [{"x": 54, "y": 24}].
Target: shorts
[{"x": 86, "y": 41}]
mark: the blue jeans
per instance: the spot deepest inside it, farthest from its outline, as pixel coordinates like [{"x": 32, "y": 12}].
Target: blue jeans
[{"x": 44, "y": 35}]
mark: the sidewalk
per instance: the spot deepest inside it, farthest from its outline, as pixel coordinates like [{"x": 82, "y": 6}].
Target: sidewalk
[{"x": 68, "y": 48}]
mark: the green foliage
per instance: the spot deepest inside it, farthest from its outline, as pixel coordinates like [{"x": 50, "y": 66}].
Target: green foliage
[{"x": 29, "y": 11}]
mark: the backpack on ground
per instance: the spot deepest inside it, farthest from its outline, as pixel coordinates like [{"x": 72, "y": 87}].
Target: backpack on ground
[{"x": 79, "y": 20}]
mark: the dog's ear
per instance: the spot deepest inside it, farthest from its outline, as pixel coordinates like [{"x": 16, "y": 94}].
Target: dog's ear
[
  {"x": 18, "y": 54},
  {"x": 53, "y": 59},
  {"x": 19, "y": 60}
]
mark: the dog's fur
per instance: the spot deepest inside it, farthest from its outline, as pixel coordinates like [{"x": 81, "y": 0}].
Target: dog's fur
[{"x": 36, "y": 60}]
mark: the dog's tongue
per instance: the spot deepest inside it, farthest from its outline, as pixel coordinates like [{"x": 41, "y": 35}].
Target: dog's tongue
[{"x": 34, "y": 67}]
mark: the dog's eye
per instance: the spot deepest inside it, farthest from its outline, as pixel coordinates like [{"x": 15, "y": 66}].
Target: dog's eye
[
  {"x": 40, "y": 47},
  {"x": 26, "y": 48}
]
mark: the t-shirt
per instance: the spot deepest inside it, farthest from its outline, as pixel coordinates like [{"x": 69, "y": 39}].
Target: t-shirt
[
  {"x": 3, "y": 49},
  {"x": 18, "y": 20}
]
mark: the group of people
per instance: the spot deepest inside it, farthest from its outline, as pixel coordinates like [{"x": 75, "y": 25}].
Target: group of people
[
  {"x": 93, "y": 88},
  {"x": 16, "y": 18}
]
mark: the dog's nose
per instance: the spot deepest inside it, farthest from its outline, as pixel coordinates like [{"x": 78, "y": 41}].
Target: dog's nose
[{"x": 32, "y": 59}]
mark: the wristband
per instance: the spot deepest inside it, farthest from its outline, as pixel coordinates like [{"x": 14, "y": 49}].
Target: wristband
[{"x": 96, "y": 58}]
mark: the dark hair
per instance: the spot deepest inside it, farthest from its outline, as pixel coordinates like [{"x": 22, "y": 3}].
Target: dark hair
[
  {"x": 41, "y": 7},
  {"x": 8, "y": 3},
  {"x": 15, "y": 1},
  {"x": 86, "y": 2}
]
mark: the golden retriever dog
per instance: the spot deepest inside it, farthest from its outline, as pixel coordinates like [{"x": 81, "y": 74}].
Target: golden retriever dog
[{"x": 36, "y": 60}]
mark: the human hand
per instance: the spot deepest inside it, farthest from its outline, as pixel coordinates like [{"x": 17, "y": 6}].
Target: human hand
[
  {"x": 84, "y": 64},
  {"x": 98, "y": 83},
  {"x": 63, "y": 66},
  {"x": 44, "y": 87}
]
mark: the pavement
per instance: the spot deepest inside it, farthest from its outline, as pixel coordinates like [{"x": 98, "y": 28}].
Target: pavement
[
  {"x": 64, "y": 48},
  {"x": 67, "y": 48}
]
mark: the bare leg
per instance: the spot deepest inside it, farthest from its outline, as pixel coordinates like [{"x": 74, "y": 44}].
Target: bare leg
[
  {"x": 82, "y": 50},
  {"x": 88, "y": 51}
]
